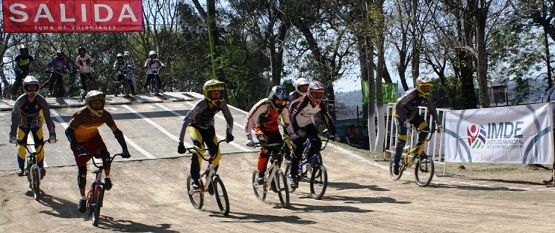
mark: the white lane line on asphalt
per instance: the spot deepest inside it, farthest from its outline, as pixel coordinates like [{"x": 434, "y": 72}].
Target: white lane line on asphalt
[
  {"x": 218, "y": 115},
  {"x": 159, "y": 127},
  {"x": 128, "y": 140}
]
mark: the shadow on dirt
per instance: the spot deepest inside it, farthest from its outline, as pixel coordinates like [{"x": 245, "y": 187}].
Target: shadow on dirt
[
  {"x": 319, "y": 208},
  {"x": 109, "y": 223},
  {"x": 349, "y": 185},
  {"x": 508, "y": 181},
  {"x": 476, "y": 187},
  {"x": 263, "y": 218},
  {"x": 61, "y": 208}
]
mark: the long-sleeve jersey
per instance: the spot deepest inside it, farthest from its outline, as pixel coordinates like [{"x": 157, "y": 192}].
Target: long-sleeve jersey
[
  {"x": 203, "y": 116},
  {"x": 85, "y": 126},
  {"x": 119, "y": 66},
  {"x": 84, "y": 63},
  {"x": 26, "y": 115},
  {"x": 153, "y": 64},
  {"x": 303, "y": 112},
  {"x": 409, "y": 103},
  {"x": 264, "y": 118},
  {"x": 59, "y": 65}
]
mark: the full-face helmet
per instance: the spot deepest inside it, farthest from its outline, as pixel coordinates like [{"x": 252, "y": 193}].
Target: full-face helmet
[
  {"x": 316, "y": 92},
  {"x": 92, "y": 96},
  {"x": 212, "y": 86},
  {"x": 424, "y": 86},
  {"x": 28, "y": 81},
  {"x": 301, "y": 85},
  {"x": 278, "y": 97}
]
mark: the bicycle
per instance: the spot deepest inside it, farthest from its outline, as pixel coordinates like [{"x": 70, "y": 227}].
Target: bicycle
[
  {"x": 424, "y": 170},
  {"x": 95, "y": 195},
  {"x": 274, "y": 178},
  {"x": 211, "y": 184},
  {"x": 314, "y": 166},
  {"x": 32, "y": 170},
  {"x": 58, "y": 89},
  {"x": 155, "y": 81},
  {"x": 90, "y": 83}
]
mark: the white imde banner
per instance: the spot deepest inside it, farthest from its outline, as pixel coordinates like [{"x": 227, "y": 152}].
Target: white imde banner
[{"x": 509, "y": 135}]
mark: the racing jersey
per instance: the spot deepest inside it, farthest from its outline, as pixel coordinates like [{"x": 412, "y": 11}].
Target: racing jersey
[
  {"x": 153, "y": 65},
  {"x": 59, "y": 65},
  {"x": 202, "y": 115},
  {"x": 84, "y": 63},
  {"x": 23, "y": 63},
  {"x": 265, "y": 118},
  {"x": 303, "y": 112},
  {"x": 408, "y": 104},
  {"x": 27, "y": 115},
  {"x": 85, "y": 125}
]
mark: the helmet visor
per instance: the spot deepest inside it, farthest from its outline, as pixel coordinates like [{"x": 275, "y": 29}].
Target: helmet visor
[
  {"x": 317, "y": 94},
  {"x": 280, "y": 103}
]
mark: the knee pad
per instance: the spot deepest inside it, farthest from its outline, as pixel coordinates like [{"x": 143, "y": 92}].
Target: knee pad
[
  {"x": 105, "y": 155},
  {"x": 82, "y": 176}
]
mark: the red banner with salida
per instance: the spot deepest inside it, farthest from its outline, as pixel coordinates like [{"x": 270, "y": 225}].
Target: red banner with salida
[{"x": 72, "y": 16}]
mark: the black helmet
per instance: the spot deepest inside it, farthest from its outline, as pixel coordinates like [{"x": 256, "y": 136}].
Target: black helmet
[
  {"x": 278, "y": 97},
  {"x": 23, "y": 48},
  {"x": 60, "y": 52}
]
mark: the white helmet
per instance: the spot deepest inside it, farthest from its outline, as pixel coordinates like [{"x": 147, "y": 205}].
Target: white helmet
[
  {"x": 31, "y": 80},
  {"x": 126, "y": 53},
  {"x": 95, "y": 95},
  {"x": 152, "y": 53},
  {"x": 301, "y": 82}
]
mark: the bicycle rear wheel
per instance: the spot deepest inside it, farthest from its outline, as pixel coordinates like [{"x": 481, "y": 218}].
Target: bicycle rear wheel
[
  {"x": 401, "y": 169},
  {"x": 424, "y": 170},
  {"x": 98, "y": 205},
  {"x": 196, "y": 196},
  {"x": 318, "y": 181},
  {"x": 259, "y": 189},
  {"x": 35, "y": 181},
  {"x": 282, "y": 188},
  {"x": 221, "y": 195}
]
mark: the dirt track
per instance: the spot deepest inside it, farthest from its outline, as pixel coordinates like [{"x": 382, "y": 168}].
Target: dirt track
[{"x": 148, "y": 196}]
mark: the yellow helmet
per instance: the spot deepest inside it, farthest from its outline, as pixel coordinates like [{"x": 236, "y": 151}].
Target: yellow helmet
[
  {"x": 213, "y": 85},
  {"x": 422, "y": 81}
]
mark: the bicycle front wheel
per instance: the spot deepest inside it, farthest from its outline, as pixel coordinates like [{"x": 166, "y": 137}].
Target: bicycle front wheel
[
  {"x": 259, "y": 189},
  {"x": 196, "y": 196},
  {"x": 424, "y": 170},
  {"x": 221, "y": 195},
  {"x": 318, "y": 181},
  {"x": 282, "y": 188},
  {"x": 98, "y": 205},
  {"x": 35, "y": 181}
]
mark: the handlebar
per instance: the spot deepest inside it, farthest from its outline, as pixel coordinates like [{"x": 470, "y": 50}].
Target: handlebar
[
  {"x": 194, "y": 150},
  {"x": 110, "y": 160},
  {"x": 25, "y": 144}
]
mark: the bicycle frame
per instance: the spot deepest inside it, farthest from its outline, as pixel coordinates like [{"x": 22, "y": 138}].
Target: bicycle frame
[
  {"x": 313, "y": 161},
  {"x": 32, "y": 177},
  {"x": 416, "y": 151},
  {"x": 92, "y": 198}
]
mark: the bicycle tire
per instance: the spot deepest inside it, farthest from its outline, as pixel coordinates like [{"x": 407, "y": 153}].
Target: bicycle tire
[
  {"x": 259, "y": 190},
  {"x": 318, "y": 181},
  {"x": 289, "y": 177},
  {"x": 126, "y": 88},
  {"x": 283, "y": 190},
  {"x": 35, "y": 181},
  {"x": 196, "y": 196},
  {"x": 98, "y": 205},
  {"x": 221, "y": 195},
  {"x": 401, "y": 169},
  {"x": 424, "y": 170},
  {"x": 91, "y": 201}
]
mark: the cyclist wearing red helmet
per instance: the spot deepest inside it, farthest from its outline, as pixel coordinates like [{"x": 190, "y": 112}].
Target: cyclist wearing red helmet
[
  {"x": 303, "y": 111},
  {"x": 406, "y": 114}
]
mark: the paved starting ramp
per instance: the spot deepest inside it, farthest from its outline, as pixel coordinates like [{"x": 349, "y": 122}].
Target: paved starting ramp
[
  {"x": 149, "y": 98},
  {"x": 114, "y": 100},
  {"x": 74, "y": 102}
]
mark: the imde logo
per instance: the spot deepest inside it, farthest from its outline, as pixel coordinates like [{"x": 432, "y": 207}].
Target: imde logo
[
  {"x": 476, "y": 136},
  {"x": 495, "y": 135}
]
